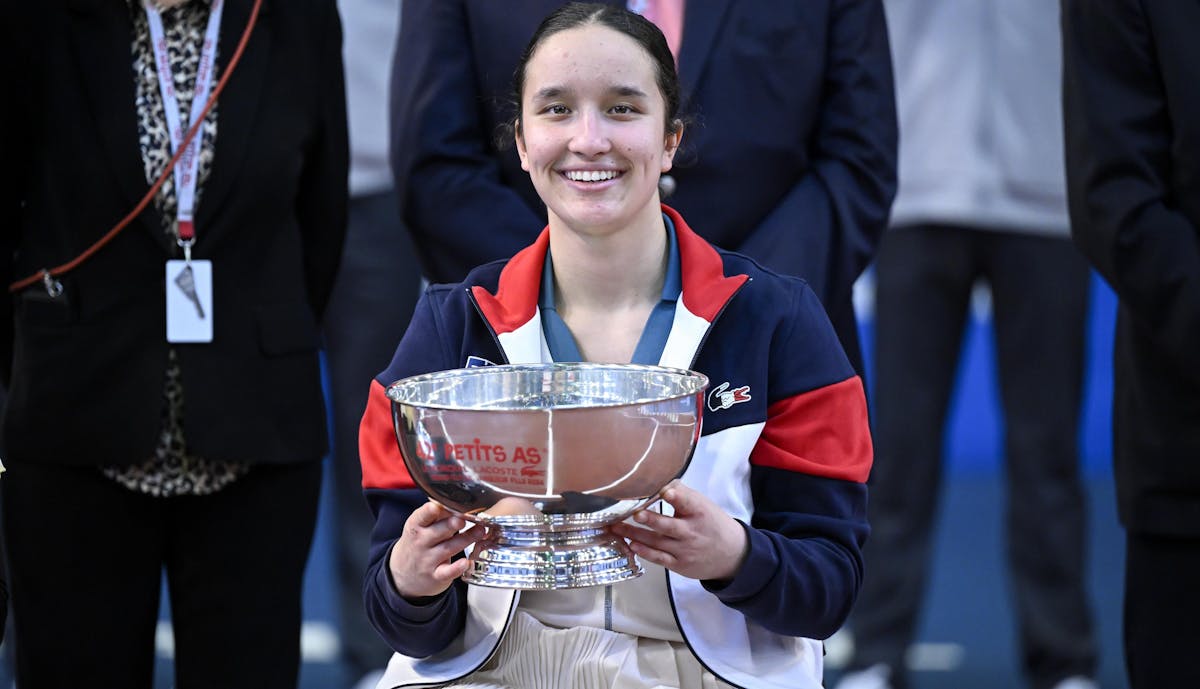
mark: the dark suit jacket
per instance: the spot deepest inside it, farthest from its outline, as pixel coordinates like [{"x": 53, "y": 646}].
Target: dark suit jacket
[
  {"x": 1132, "y": 112},
  {"x": 791, "y": 158},
  {"x": 87, "y": 374}
]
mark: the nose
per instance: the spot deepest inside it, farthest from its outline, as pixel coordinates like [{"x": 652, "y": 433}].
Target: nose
[{"x": 590, "y": 135}]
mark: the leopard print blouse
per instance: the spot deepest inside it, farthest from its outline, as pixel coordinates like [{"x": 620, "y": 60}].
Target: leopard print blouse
[{"x": 172, "y": 470}]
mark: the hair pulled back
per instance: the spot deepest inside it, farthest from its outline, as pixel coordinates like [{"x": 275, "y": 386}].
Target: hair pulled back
[{"x": 635, "y": 26}]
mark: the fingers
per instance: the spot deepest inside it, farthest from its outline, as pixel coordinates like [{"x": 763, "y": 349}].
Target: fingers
[
  {"x": 454, "y": 543},
  {"x": 680, "y": 497},
  {"x": 659, "y": 531},
  {"x": 431, "y": 524},
  {"x": 421, "y": 560},
  {"x": 657, "y": 523},
  {"x": 443, "y": 551},
  {"x": 685, "y": 503},
  {"x": 439, "y": 577},
  {"x": 655, "y": 555},
  {"x": 448, "y": 572},
  {"x": 699, "y": 540},
  {"x": 653, "y": 544},
  {"x": 459, "y": 541},
  {"x": 428, "y": 514}
]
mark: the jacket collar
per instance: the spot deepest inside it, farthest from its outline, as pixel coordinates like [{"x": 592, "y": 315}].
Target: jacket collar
[
  {"x": 706, "y": 288},
  {"x": 512, "y": 311}
]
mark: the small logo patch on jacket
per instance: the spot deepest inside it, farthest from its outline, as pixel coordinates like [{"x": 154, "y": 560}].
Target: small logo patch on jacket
[
  {"x": 473, "y": 361},
  {"x": 722, "y": 397}
]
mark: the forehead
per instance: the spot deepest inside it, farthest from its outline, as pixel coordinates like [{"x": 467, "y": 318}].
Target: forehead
[{"x": 589, "y": 54}]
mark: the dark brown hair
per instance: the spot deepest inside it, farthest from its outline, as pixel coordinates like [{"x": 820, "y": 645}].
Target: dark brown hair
[{"x": 641, "y": 30}]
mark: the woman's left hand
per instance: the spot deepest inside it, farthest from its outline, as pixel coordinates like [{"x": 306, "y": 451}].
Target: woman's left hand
[{"x": 701, "y": 541}]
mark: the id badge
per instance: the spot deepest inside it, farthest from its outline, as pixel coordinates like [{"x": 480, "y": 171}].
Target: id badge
[{"x": 189, "y": 301}]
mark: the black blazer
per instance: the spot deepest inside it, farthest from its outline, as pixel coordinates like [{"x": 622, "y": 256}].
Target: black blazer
[
  {"x": 791, "y": 158},
  {"x": 86, "y": 382},
  {"x": 1132, "y": 110}
]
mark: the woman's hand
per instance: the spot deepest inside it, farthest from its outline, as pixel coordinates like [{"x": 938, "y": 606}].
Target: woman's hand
[
  {"x": 420, "y": 561},
  {"x": 701, "y": 541}
]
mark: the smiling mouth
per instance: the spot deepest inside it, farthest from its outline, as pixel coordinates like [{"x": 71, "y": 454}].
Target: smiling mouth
[{"x": 591, "y": 175}]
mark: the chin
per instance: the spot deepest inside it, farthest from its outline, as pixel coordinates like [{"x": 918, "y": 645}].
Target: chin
[{"x": 592, "y": 217}]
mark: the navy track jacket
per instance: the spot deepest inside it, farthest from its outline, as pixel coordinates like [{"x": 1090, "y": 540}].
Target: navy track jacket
[{"x": 785, "y": 448}]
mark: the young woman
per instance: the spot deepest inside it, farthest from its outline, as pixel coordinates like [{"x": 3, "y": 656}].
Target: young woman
[{"x": 755, "y": 553}]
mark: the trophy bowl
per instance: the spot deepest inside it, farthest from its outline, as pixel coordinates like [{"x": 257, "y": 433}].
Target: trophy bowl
[{"x": 548, "y": 456}]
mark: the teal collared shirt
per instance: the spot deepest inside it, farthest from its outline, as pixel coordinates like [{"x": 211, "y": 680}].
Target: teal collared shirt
[{"x": 658, "y": 326}]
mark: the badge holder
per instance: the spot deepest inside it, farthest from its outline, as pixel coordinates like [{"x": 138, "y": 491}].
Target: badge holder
[{"x": 189, "y": 298}]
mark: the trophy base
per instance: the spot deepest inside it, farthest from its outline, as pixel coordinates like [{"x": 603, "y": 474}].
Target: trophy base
[{"x": 540, "y": 560}]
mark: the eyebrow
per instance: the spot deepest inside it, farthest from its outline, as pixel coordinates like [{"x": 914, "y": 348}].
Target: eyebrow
[{"x": 552, "y": 92}]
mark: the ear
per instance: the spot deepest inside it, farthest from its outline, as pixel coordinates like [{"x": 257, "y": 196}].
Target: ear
[
  {"x": 671, "y": 145},
  {"x": 520, "y": 141}
]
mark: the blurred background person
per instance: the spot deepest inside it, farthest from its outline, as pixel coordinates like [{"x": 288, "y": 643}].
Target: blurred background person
[
  {"x": 373, "y": 298},
  {"x": 3, "y": 569},
  {"x": 135, "y": 446},
  {"x": 1132, "y": 114},
  {"x": 981, "y": 198},
  {"x": 791, "y": 159}
]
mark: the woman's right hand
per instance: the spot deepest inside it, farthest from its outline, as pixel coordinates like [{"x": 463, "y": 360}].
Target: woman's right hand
[{"x": 420, "y": 562}]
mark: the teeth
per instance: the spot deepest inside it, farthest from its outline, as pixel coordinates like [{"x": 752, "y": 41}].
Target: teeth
[{"x": 590, "y": 175}]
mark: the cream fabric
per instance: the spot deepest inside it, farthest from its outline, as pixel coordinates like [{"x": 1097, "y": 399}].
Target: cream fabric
[
  {"x": 639, "y": 607},
  {"x": 534, "y": 656}
]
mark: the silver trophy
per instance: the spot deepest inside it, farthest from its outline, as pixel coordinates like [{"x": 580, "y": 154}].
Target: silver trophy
[{"x": 548, "y": 456}]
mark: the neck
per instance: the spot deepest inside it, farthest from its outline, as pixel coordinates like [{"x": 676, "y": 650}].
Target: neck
[
  {"x": 168, "y": 4},
  {"x": 620, "y": 270}
]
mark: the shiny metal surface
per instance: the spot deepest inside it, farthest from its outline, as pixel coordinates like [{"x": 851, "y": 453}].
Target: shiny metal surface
[{"x": 548, "y": 455}]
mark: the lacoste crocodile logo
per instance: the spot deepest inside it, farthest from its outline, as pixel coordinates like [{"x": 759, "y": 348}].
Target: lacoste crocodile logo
[{"x": 722, "y": 397}]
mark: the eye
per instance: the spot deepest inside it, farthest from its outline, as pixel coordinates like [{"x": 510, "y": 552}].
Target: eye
[
  {"x": 622, "y": 110},
  {"x": 556, "y": 109}
]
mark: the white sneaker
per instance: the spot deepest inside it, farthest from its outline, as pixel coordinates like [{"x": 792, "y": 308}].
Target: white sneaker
[
  {"x": 1077, "y": 682},
  {"x": 874, "y": 677}
]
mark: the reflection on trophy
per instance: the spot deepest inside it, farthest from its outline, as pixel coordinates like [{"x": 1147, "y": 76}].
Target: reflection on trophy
[{"x": 547, "y": 456}]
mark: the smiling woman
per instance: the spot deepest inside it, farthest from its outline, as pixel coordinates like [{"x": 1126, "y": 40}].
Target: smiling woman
[
  {"x": 592, "y": 137},
  {"x": 755, "y": 553}
]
